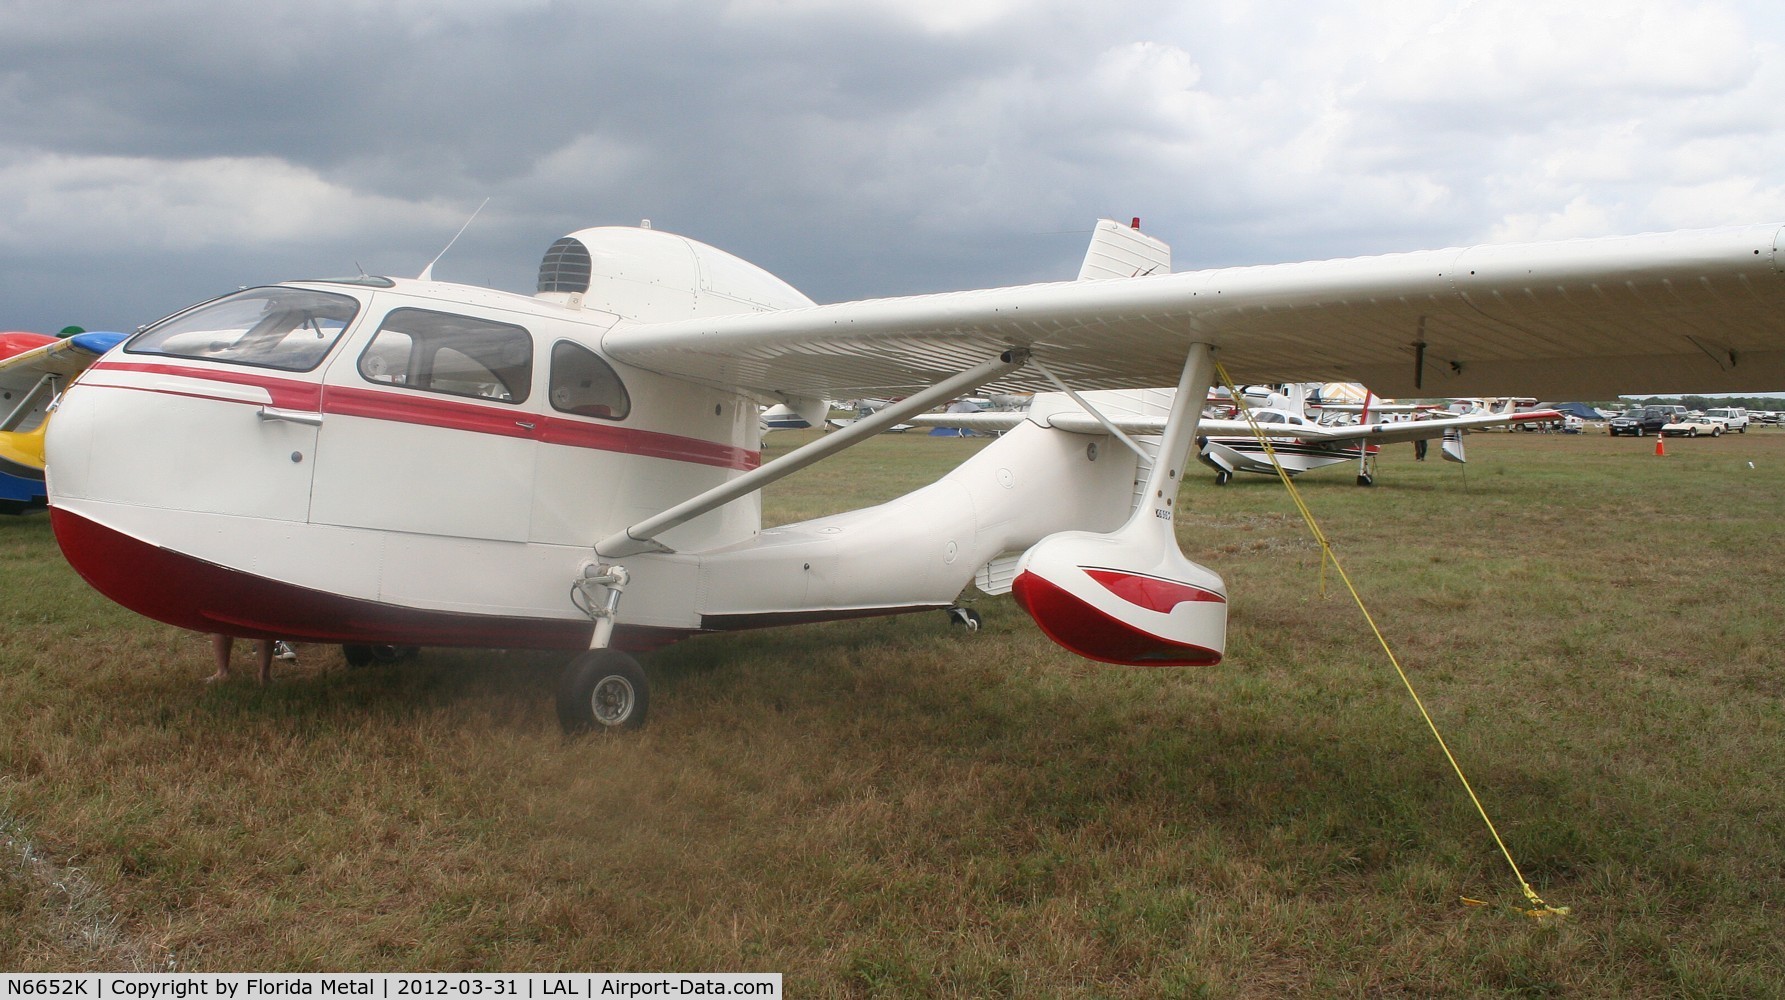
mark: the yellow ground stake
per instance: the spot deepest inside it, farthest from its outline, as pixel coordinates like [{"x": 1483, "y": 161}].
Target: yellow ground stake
[{"x": 1538, "y": 909}]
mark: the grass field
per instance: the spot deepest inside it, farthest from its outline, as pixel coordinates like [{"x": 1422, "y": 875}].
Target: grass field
[{"x": 892, "y": 808}]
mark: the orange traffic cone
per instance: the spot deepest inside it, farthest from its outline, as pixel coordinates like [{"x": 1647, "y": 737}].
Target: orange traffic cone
[{"x": 1659, "y": 449}]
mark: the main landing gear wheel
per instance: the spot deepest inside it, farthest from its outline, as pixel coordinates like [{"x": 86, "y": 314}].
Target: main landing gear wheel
[
  {"x": 1363, "y": 479},
  {"x": 382, "y": 653},
  {"x": 966, "y": 618},
  {"x": 603, "y": 689},
  {"x": 1223, "y": 477}
]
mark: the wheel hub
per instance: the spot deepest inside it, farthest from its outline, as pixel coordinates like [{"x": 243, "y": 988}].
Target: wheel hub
[{"x": 611, "y": 701}]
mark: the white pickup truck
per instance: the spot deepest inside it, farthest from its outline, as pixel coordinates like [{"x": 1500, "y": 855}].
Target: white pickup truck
[{"x": 1733, "y": 417}]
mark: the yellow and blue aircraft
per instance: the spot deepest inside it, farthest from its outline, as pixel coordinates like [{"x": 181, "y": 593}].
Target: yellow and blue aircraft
[{"x": 34, "y": 369}]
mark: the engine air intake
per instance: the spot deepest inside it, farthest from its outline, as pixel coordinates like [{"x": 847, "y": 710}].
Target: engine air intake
[{"x": 566, "y": 267}]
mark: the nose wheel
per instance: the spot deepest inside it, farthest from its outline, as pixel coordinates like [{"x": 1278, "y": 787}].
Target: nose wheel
[
  {"x": 366, "y": 654},
  {"x": 965, "y": 618}
]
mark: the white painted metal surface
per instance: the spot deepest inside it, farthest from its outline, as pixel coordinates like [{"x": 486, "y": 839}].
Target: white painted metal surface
[
  {"x": 1119, "y": 251},
  {"x": 1685, "y": 311}
]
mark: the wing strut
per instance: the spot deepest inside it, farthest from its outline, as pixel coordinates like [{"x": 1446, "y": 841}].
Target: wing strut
[
  {"x": 47, "y": 388},
  {"x": 1095, "y": 413},
  {"x": 1174, "y": 446},
  {"x": 641, "y": 537}
]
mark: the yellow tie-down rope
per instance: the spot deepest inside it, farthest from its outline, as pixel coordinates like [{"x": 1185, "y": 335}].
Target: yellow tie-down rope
[{"x": 1538, "y": 909}]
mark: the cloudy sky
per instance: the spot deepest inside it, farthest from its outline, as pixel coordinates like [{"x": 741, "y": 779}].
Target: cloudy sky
[{"x": 156, "y": 154}]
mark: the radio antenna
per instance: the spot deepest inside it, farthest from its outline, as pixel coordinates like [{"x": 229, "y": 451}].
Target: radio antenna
[{"x": 427, "y": 273}]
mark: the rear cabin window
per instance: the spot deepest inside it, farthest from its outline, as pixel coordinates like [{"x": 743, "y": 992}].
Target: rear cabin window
[
  {"x": 290, "y": 329},
  {"x": 451, "y": 354},
  {"x": 585, "y": 385}
]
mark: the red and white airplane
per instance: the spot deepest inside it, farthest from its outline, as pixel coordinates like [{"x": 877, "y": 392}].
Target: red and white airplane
[{"x": 373, "y": 460}]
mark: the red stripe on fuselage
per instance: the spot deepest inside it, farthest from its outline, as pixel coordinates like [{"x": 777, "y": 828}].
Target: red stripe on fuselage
[
  {"x": 477, "y": 418},
  {"x": 286, "y": 393},
  {"x": 651, "y": 444},
  {"x": 429, "y": 411}
]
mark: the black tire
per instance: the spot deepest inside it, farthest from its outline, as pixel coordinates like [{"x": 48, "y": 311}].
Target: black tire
[
  {"x": 365, "y": 654},
  {"x": 1692, "y": 432},
  {"x": 1223, "y": 477},
  {"x": 1363, "y": 479},
  {"x": 965, "y": 618},
  {"x": 603, "y": 689}
]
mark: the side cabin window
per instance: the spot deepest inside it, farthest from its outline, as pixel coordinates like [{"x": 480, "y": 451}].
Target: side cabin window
[
  {"x": 290, "y": 329},
  {"x": 585, "y": 385},
  {"x": 452, "y": 354},
  {"x": 1267, "y": 417}
]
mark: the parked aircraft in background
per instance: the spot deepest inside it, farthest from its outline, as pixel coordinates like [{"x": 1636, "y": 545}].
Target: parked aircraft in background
[
  {"x": 34, "y": 369},
  {"x": 1299, "y": 442},
  {"x": 1341, "y": 432},
  {"x": 781, "y": 417},
  {"x": 388, "y": 461}
]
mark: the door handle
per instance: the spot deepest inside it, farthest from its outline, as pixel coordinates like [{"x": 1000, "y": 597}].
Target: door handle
[{"x": 295, "y": 416}]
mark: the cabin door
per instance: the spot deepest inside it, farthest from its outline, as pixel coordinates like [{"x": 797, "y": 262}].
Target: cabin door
[{"x": 427, "y": 428}]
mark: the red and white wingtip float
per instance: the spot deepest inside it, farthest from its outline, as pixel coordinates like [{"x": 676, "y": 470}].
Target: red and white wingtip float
[
  {"x": 1129, "y": 596},
  {"x": 378, "y": 461}
]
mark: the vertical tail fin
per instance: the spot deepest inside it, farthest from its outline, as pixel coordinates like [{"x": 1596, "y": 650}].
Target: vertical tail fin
[{"x": 1119, "y": 251}]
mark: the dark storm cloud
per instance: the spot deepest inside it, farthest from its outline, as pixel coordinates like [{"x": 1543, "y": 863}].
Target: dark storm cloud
[{"x": 155, "y": 154}]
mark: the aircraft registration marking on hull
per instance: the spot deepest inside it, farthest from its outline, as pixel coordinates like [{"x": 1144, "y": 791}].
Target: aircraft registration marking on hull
[{"x": 377, "y": 404}]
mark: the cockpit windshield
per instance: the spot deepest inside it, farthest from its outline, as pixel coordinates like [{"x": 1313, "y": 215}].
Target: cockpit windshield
[{"x": 274, "y": 327}]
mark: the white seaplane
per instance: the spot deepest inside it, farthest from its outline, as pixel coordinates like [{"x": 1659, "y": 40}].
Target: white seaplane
[{"x": 386, "y": 461}]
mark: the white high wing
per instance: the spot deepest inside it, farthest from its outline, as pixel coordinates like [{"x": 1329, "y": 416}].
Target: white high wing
[{"x": 415, "y": 462}]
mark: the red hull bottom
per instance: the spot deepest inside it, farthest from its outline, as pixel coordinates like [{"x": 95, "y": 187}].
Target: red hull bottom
[{"x": 194, "y": 594}]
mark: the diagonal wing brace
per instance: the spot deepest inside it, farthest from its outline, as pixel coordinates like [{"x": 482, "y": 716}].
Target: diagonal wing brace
[{"x": 641, "y": 537}]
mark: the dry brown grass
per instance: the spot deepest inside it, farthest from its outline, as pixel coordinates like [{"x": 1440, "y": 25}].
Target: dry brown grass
[{"x": 889, "y": 808}]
